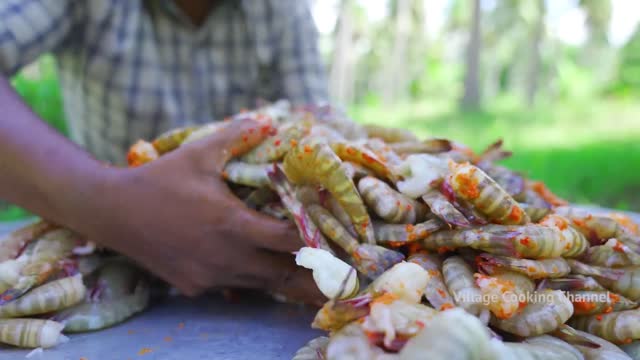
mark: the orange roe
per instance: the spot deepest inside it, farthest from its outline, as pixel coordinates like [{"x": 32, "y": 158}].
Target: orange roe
[
  {"x": 386, "y": 298},
  {"x": 583, "y": 307},
  {"x": 618, "y": 247},
  {"x": 446, "y": 306},
  {"x": 515, "y": 214},
  {"x": 467, "y": 186}
]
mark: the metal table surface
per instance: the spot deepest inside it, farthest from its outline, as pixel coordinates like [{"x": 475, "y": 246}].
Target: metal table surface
[{"x": 203, "y": 328}]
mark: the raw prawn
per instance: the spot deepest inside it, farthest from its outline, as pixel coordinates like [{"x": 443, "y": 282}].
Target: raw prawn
[
  {"x": 370, "y": 260},
  {"x": 474, "y": 185},
  {"x": 315, "y": 163},
  {"x": 389, "y": 204}
]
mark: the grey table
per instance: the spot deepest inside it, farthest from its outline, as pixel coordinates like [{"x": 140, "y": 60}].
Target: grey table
[{"x": 205, "y": 328}]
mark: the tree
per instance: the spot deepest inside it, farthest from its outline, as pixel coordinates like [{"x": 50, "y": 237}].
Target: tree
[
  {"x": 537, "y": 33},
  {"x": 471, "y": 98},
  {"x": 341, "y": 76}
]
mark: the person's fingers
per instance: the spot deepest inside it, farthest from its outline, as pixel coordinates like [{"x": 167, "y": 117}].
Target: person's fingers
[
  {"x": 177, "y": 278},
  {"x": 298, "y": 285},
  {"x": 267, "y": 232},
  {"x": 233, "y": 139}
]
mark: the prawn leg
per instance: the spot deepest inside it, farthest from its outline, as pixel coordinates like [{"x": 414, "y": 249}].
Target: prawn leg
[
  {"x": 309, "y": 233},
  {"x": 572, "y": 282}
]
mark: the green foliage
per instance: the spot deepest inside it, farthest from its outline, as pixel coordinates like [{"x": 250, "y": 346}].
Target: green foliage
[
  {"x": 573, "y": 147},
  {"x": 628, "y": 79},
  {"x": 38, "y": 86}
]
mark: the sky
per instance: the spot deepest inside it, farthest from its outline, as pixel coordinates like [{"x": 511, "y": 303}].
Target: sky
[{"x": 564, "y": 19}]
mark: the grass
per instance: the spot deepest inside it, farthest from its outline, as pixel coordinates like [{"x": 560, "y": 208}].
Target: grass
[{"x": 586, "y": 152}]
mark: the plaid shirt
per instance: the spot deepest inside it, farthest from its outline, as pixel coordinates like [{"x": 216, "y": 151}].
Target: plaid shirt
[{"x": 131, "y": 69}]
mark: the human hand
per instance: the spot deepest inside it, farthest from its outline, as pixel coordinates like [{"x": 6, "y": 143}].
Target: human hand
[{"x": 177, "y": 217}]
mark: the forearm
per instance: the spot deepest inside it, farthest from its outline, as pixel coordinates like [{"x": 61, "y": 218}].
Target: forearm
[{"x": 40, "y": 170}]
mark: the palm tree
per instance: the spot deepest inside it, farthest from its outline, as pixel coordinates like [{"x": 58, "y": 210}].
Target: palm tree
[
  {"x": 341, "y": 76},
  {"x": 533, "y": 71},
  {"x": 471, "y": 98}
]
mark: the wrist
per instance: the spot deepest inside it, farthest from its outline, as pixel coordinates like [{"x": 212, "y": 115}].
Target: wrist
[{"x": 75, "y": 196}]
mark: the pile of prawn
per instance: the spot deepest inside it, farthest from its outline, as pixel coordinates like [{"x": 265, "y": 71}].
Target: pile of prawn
[
  {"x": 53, "y": 281},
  {"x": 424, "y": 248},
  {"x": 427, "y": 250}
]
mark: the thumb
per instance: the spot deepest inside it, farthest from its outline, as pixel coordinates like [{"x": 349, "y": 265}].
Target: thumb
[{"x": 233, "y": 139}]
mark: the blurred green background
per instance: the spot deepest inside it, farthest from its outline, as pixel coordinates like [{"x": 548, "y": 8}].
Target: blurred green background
[{"x": 558, "y": 80}]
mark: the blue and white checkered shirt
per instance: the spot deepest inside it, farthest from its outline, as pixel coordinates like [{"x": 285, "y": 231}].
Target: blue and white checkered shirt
[{"x": 131, "y": 69}]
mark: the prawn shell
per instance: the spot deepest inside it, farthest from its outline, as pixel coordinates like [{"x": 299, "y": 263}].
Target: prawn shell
[
  {"x": 547, "y": 311},
  {"x": 276, "y": 147},
  {"x": 362, "y": 156},
  {"x": 172, "y": 139},
  {"x": 52, "y": 296},
  {"x": 315, "y": 349},
  {"x": 617, "y": 327},
  {"x": 474, "y": 185},
  {"x": 141, "y": 153},
  {"x": 315, "y": 163},
  {"x": 90, "y": 316},
  {"x": 11, "y": 244},
  {"x": 31, "y": 333}
]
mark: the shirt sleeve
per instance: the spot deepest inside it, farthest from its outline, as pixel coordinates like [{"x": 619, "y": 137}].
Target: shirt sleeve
[
  {"x": 298, "y": 59},
  {"x": 29, "y": 28}
]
